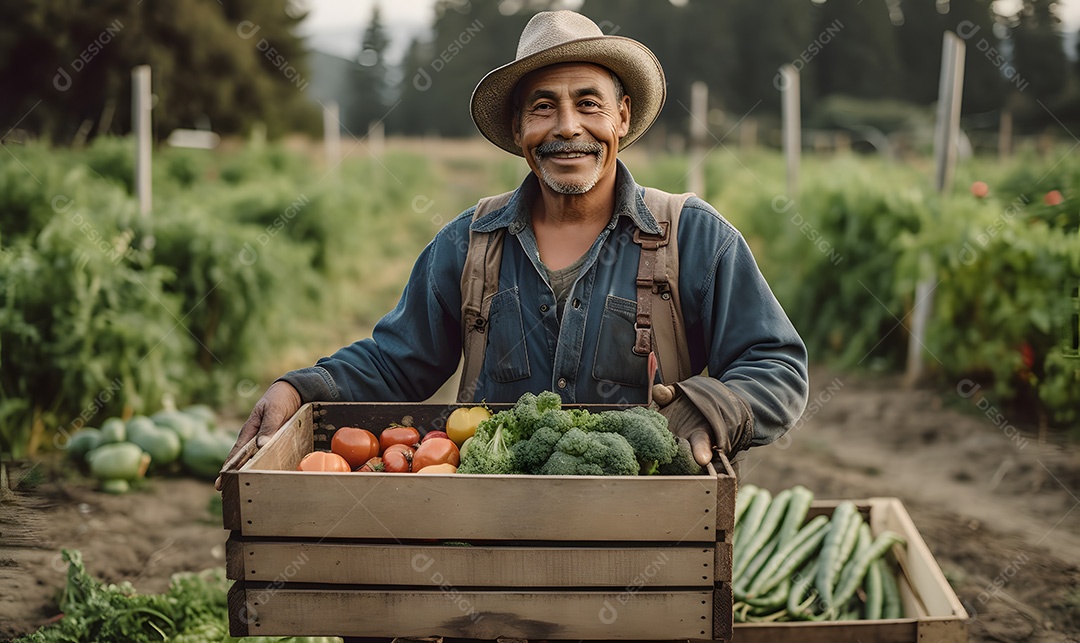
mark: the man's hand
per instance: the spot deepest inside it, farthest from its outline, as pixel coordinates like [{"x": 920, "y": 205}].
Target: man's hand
[
  {"x": 711, "y": 416},
  {"x": 273, "y": 409},
  {"x": 686, "y": 421}
]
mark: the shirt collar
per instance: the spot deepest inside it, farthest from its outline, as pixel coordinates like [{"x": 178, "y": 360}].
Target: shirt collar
[{"x": 514, "y": 216}]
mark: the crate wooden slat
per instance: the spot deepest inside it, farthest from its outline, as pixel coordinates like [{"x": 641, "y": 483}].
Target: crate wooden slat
[
  {"x": 464, "y": 507},
  {"x": 932, "y": 612},
  {"x": 330, "y": 611},
  {"x": 541, "y": 566}
]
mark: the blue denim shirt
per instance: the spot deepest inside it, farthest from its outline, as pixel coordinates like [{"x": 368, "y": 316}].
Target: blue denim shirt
[{"x": 736, "y": 328}]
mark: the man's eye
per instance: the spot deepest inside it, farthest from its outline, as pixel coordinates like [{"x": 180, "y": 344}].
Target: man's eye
[{"x": 589, "y": 103}]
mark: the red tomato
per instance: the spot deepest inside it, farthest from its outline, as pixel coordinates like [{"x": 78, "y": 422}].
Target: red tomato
[
  {"x": 979, "y": 189},
  {"x": 436, "y": 451},
  {"x": 406, "y": 435},
  {"x": 357, "y": 446},
  {"x": 398, "y": 459},
  {"x": 1053, "y": 197},
  {"x": 324, "y": 461},
  {"x": 373, "y": 465},
  {"x": 431, "y": 435}
]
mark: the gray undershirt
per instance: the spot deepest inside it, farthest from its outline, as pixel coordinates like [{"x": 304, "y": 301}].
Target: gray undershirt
[{"x": 561, "y": 281}]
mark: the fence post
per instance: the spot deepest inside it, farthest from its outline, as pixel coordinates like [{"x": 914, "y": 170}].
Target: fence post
[
  {"x": 331, "y": 134},
  {"x": 140, "y": 127},
  {"x": 699, "y": 129},
  {"x": 792, "y": 128},
  {"x": 947, "y": 128}
]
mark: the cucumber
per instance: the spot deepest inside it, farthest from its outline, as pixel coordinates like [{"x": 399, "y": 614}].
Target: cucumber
[{"x": 765, "y": 530}]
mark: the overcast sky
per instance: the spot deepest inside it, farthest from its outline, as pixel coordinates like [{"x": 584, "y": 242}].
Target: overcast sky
[{"x": 334, "y": 26}]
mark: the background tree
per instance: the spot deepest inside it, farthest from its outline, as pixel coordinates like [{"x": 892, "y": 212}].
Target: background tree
[
  {"x": 370, "y": 96},
  {"x": 232, "y": 63}
]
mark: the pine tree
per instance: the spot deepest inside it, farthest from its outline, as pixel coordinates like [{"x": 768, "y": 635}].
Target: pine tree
[{"x": 369, "y": 100}]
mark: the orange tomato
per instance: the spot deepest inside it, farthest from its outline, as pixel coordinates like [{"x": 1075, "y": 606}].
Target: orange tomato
[
  {"x": 324, "y": 461},
  {"x": 438, "y": 468},
  {"x": 356, "y": 445},
  {"x": 1053, "y": 197},
  {"x": 436, "y": 451},
  {"x": 397, "y": 459},
  {"x": 406, "y": 435}
]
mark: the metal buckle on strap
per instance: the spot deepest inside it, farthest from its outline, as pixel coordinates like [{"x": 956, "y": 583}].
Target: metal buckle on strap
[{"x": 649, "y": 241}]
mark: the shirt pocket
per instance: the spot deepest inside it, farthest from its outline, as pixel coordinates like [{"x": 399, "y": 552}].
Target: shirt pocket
[
  {"x": 507, "y": 358},
  {"x": 615, "y": 360}
]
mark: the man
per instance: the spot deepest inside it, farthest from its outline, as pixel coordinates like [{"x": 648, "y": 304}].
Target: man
[{"x": 567, "y": 314}]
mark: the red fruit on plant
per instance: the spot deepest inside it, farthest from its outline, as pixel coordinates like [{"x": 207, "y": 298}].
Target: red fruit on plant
[
  {"x": 406, "y": 435},
  {"x": 1027, "y": 355},
  {"x": 979, "y": 189},
  {"x": 431, "y": 435},
  {"x": 1053, "y": 197}
]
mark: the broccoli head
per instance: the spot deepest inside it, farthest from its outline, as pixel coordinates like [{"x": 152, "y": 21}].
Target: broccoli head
[
  {"x": 683, "y": 464},
  {"x": 599, "y": 454},
  {"x": 531, "y": 409},
  {"x": 531, "y": 454},
  {"x": 646, "y": 431},
  {"x": 489, "y": 450}
]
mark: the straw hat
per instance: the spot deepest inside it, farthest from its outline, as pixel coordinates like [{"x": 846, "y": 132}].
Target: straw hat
[{"x": 554, "y": 37}]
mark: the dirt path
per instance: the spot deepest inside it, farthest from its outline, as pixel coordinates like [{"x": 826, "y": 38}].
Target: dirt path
[{"x": 999, "y": 511}]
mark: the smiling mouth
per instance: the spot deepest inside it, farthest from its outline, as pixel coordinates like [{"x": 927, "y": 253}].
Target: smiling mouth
[{"x": 568, "y": 155}]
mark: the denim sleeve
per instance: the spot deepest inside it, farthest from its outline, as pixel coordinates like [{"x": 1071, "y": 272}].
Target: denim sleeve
[
  {"x": 415, "y": 348},
  {"x": 735, "y": 321}
]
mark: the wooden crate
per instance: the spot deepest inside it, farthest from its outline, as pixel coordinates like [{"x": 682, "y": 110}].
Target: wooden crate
[
  {"x": 551, "y": 557},
  {"x": 932, "y": 610}
]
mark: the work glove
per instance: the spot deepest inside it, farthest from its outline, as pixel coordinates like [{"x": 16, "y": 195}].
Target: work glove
[
  {"x": 279, "y": 403},
  {"x": 708, "y": 414}
]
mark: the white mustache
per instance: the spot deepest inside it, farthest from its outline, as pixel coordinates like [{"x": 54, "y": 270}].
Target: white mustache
[{"x": 565, "y": 147}]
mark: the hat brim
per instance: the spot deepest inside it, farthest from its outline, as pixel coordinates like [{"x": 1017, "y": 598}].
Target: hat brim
[{"x": 638, "y": 69}]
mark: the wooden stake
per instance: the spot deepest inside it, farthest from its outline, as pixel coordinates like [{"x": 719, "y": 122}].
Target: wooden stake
[
  {"x": 792, "y": 127},
  {"x": 140, "y": 127},
  {"x": 699, "y": 129},
  {"x": 946, "y": 134}
]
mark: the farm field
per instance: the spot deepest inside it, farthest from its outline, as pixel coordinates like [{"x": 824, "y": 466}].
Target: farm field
[{"x": 992, "y": 491}]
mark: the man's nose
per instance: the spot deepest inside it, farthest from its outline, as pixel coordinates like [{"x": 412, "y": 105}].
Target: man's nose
[{"x": 568, "y": 122}]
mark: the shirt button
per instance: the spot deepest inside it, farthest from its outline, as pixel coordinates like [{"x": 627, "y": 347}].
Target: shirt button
[
  {"x": 562, "y": 382},
  {"x": 543, "y": 308},
  {"x": 576, "y": 303}
]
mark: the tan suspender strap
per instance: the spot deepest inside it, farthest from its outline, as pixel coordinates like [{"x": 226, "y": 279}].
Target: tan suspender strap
[
  {"x": 659, "y": 323},
  {"x": 479, "y": 282}
]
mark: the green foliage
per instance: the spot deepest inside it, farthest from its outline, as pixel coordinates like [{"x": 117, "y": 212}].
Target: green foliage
[
  {"x": 845, "y": 257},
  {"x": 96, "y": 322},
  {"x": 195, "y": 609}
]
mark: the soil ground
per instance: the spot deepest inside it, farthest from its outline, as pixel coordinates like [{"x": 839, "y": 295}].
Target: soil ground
[{"x": 998, "y": 509}]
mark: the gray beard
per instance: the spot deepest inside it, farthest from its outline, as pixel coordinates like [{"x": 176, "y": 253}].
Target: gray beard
[{"x": 563, "y": 187}]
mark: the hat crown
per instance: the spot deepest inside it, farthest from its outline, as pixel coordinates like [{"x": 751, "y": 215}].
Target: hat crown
[{"x": 548, "y": 29}]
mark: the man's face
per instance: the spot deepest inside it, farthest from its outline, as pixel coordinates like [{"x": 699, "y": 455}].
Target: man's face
[{"x": 570, "y": 124}]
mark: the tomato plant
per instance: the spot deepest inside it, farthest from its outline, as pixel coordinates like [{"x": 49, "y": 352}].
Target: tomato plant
[
  {"x": 436, "y": 451},
  {"x": 356, "y": 445}
]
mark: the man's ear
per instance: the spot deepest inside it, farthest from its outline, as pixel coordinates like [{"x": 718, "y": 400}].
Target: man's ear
[
  {"x": 515, "y": 127},
  {"x": 624, "y": 116}
]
